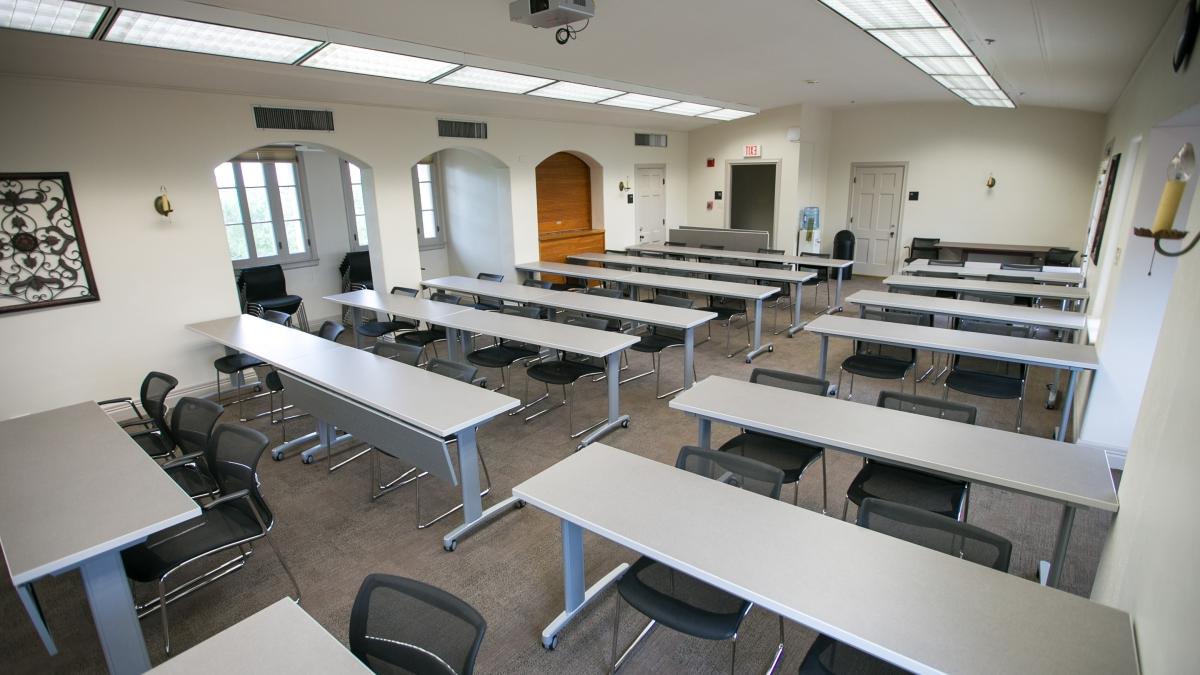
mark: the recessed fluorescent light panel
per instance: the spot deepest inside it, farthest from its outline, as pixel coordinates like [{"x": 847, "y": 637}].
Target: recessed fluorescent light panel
[
  {"x": 639, "y": 101},
  {"x": 471, "y": 77},
  {"x": 348, "y": 59},
  {"x": 570, "y": 91},
  {"x": 152, "y": 30},
  {"x": 949, "y": 65},
  {"x": 923, "y": 41},
  {"x": 76, "y": 19},
  {"x": 872, "y": 14},
  {"x": 726, "y": 114},
  {"x": 688, "y": 109}
]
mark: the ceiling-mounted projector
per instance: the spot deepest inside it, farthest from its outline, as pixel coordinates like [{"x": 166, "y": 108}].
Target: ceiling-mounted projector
[{"x": 550, "y": 13}]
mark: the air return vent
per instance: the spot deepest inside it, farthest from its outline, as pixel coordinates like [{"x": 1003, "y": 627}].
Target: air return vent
[
  {"x": 650, "y": 140},
  {"x": 457, "y": 129},
  {"x": 293, "y": 118}
]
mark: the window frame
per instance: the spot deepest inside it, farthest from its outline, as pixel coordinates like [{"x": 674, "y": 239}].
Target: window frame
[
  {"x": 351, "y": 216},
  {"x": 278, "y": 224},
  {"x": 435, "y": 182}
]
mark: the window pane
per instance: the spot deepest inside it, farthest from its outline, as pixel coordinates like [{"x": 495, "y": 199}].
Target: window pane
[
  {"x": 285, "y": 173},
  {"x": 236, "y": 236},
  {"x": 426, "y": 196},
  {"x": 423, "y": 173},
  {"x": 264, "y": 240},
  {"x": 252, "y": 174},
  {"x": 230, "y": 209},
  {"x": 359, "y": 207},
  {"x": 295, "y": 236},
  {"x": 260, "y": 206},
  {"x": 224, "y": 174},
  {"x": 428, "y": 225},
  {"x": 290, "y": 201},
  {"x": 355, "y": 173},
  {"x": 360, "y": 225}
]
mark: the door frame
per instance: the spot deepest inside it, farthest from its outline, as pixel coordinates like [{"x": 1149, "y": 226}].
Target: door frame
[
  {"x": 633, "y": 188},
  {"x": 903, "y": 199},
  {"x": 729, "y": 164}
]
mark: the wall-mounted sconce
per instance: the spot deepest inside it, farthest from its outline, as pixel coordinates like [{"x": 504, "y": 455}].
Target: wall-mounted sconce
[
  {"x": 162, "y": 204},
  {"x": 991, "y": 181},
  {"x": 622, "y": 186},
  {"x": 1179, "y": 172}
]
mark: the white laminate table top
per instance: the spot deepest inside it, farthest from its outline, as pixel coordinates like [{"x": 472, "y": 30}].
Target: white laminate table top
[
  {"x": 743, "y": 271},
  {"x": 807, "y": 261},
  {"x": 492, "y": 289},
  {"x": 997, "y": 287},
  {"x": 574, "y": 339},
  {"x": 260, "y": 338},
  {"x": 399, "y": 305},
  {"x": 1063, "y": 472},
  {"x": 975, "y": 268},
  {"x": 984, "y": 345},
  {"x": 1037, "y": 316},
  {"x": 574, "y": 271},
  {"x": 920, "y": 609},
  {"x": 279, "y": 640},
  {"x": 670, "y": 282},
  {"x": 73, "y": 485}
]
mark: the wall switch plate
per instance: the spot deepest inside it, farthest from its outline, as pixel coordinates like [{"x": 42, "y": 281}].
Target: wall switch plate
[
  {"x": 628, "y": 199},
  {"x": 912, "y": 196},
  {"x": 718, "y": 194}
]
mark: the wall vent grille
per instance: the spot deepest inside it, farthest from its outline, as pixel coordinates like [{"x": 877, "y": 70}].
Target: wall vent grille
[
  {"x": 293, "y": 118},
  {"x": 650, "y": 140},
  {"x": 457, "y": 129}
]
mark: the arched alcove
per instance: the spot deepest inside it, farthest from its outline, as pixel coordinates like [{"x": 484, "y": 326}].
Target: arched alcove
[{"x": 570, "y": 207}]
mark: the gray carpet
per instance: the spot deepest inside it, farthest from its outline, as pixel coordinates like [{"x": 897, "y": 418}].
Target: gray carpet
[{"x": 332, "y": 536}]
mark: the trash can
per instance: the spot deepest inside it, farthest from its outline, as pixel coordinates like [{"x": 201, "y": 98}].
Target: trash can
[{"x": 843, "y": 249}]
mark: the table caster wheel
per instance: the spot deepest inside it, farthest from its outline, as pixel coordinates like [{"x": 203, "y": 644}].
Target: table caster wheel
[
  {"x": 770, "y": 348},
  {"x": 277, "y": 456},
  {"x": 625, "y": 424},
  {"x": 520, "y": 504},
  {"x": 306, "y": 460},
  {"x": 449, "y": 548},
  {"x": 549, "y": 646}
]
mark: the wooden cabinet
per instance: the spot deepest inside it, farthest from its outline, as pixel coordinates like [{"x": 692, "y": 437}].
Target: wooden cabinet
[
  {"x": 557, "y": 246},
  {"x": 564, "y": 209}
]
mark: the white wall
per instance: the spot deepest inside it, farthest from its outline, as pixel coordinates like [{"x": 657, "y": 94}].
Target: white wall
[
  {"x": 478, "y": 213},
  {"x": 156, "y": 276},
  {"x": 1044, "y": 162}
]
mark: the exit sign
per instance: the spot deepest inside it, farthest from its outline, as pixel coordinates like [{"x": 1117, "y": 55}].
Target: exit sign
[{"x": 752, "y": 151}]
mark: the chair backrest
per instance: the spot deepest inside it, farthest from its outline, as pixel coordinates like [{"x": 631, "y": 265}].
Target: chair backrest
[
  {"x": 937, "y": 532},
  {"x": 275, "y": 316},
  {"x": 414, "y": 628},
  {"x": 1021, "y": 266},
  {"x": 356, "y": 267},
  {"x": 527, "y": 311},
  {"x": 537, "y": 283},
  {"x": 924, "y": 247},
  {"x": 938, "y": 275},
  {"x": 925, "y": 241},
  {"x": 604, "y": 292},
  {"x": 401, "y": 290},
  {"x": 671, "y": 301},
  {"x": 453, "y": 370},
  {"x": 236, "y": 451},
  {"x": 1012, "y": 279},
  {"x": 155, "y": 388},
  {"x": 822, "y": 272},
  {"x": 907, "y": 354},
  {"x": 263, "y": 283},
  {"x": 489, "y": 277},
  {"x": 715, "y": 247},
  {"x": 588, "y": 322},
  {"x": 727, "y": 467},
  {"x": 1060, "y": 257},
  {"x": 672, "y": 243},
  {"x": 330, "y": 330},
  {"x": 994, "y": 298},
  {"x": 399, "y": 351},
  {"x": 930, "y": 407},
  {"x": 442, "y": 296},
  {"x": 991, "y": 366},
  {"x": 776, "y": 251},
  {"x": 948, "y": 263},
  {"x": 192, "y": 423},
  {"x": 786, "y": 380}
]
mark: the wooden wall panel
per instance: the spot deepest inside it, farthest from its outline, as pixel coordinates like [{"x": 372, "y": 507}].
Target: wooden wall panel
[
  {"x": 557, "y": 248},
  {"x": 564, "y": 194}
]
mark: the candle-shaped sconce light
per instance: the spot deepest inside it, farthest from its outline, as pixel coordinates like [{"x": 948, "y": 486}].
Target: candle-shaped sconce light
[{"x": 1179, "y": 172}]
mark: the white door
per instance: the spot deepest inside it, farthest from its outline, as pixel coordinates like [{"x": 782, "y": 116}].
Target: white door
[
  {"x": 875, "y": 200},
  {"x": 650, "y": 204}
]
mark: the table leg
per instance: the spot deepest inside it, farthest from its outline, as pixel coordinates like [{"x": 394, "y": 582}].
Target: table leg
[
  {"x": 575, "y": 598},
  {"x": 474, "y": 517},
  {"x": 454, "y": 346},
  {"x": 797, "y": 324},
  {"x": 615, "y": 418},
  {"x": 837, "y": 296},
  {"x": 759, "y": 347},
  {"x": 1060, "y": 545},
  {"x": 327, "y": 439},
  {"x": 34, "y": 609},
  {"x": 114, "y": 614},
  {"x": 1066, "y": 404},
  {"x": 356, "y": 321},
  {"x": 689, "y": 355},
  {"x": 824, "y": 354},
  {"x": 705, "y": 441}
]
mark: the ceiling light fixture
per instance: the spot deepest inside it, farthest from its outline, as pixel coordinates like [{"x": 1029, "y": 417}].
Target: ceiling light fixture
[
  {"x": 471, "y": 77},
  {"x": 60, "y": 17},
  {"x": 639, "y": 101},
  {"x": 872, "y": 14},
  {"x": 687, "y": 109},
  {"x": 153, "y": 30},
  {"x": 572, "y": 91},
  {"x": 923, "y": 41},
  {"x": 948, "y": 65},
  {"x": 967, "y": 82},
  {"x": 726, "y": 114},
  {"x": 349, "y": 59}
]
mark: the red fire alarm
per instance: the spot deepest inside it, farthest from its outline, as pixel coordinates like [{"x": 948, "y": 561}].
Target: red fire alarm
[
  {"x": 710, "y": 205},
  {"x": 710, "y": 162}
]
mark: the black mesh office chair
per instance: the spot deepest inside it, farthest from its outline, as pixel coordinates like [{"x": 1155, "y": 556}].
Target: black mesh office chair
[
  {"x": 923, "y": 247},
  {"x": 668, "y": 256},
  {"x": 154, "y": 438},
  {"x": 822, "y": 277},
  {"x": 1024, "y": 301},
  {"x": 265, "y": 288},
  {"x": 988, "y": 377},
  {"x": 791, "y": 457},
  {"x": 233, "y": 520},
  {"x": 150, "y": 394},
  {"x": 374, "y": 328},
  {"x": 564, "y": 371},
  {"x": 1021, "y": 267},
  {"x": 1060, "y": 257},
  {"x": 709, "y": 258},
  {"x": 827, "y": 656},
  {"x": 880, "y": 480},
  {"x": 484, "y": 302},
  {"x": 882, "y": 361},
  {"x": 727, "y": 311},
  {"x": 784, "y": 297},
  {"x": 657, "y": 340},
  {"x": 330, "y": 330},
  {"x": 401, "y": 625},
  {"x": 432, "y": 334},
  {"x": 679, "y": 601},
  {"x": 948, "y": 263},
  {"x": 399, "y": 351},
  {"x": 192, "y": 424},
  {"x": 235, "y": 365},
  {"x": 355, "y": 270},
  {"x": 504, "y": 353}
]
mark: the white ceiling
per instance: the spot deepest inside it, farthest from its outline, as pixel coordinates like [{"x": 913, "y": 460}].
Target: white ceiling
[{"x": 1061, "y": 53}]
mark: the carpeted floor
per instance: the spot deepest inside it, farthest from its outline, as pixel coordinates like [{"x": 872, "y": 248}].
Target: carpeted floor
[{"x": 332, "y": 536}]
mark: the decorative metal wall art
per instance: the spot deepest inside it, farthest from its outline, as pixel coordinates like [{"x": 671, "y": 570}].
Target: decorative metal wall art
[{"x": 43, "y": 259}]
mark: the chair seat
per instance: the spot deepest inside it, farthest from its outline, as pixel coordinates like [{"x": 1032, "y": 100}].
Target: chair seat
[
  {"x": 827, "y": 656},
  {"x": 155, "y": 445},
  {"x": 288, "y": 304},
  {"x": 984, "y": 384},
  {"x": 562, "y": 372},
  {"x": 376, "y": 329},
  {"x": 421, "y": 338},
  {"x": 235, "y": 363},
  {"x": 789, "y": 456},
  {"x": 879, "y": 367},
  {"x": 501, "y": 355},
  {"x": 654, "y": 343},
  {"x": 906, "y": 486},
  {"x": 681, "y": 603},
  {"x": 724, "y": 312},
  {"x": 220, "y": 526},
  {"x": 194, "y": 481},
  {"x": 273, "y": 382}
]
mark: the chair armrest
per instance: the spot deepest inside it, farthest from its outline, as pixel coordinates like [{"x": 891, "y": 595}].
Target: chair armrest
[
  {"x": 183, "y": 459},
  {"x": 110, "y": 401},
  {"x": 232, "y": 496},
  {"x": 143, "y": 432},
  {"x": 132, "y": 404}
]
